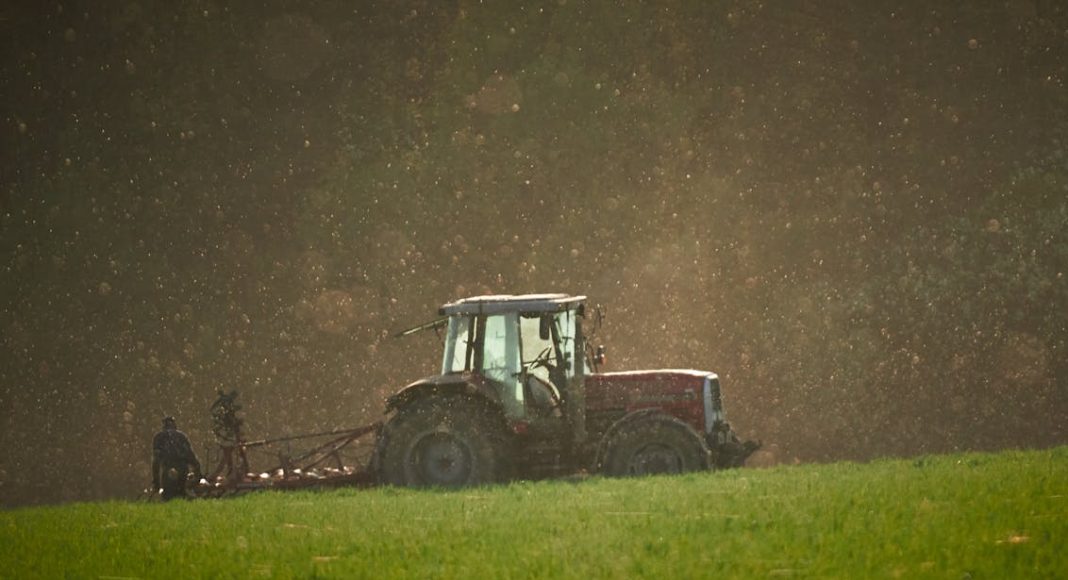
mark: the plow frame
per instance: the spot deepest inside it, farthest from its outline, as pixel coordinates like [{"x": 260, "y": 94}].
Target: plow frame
[{"x": 308, "y": 469}]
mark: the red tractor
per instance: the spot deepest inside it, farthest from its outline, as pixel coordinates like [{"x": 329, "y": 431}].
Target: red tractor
[{"x": 515, "y": 399}]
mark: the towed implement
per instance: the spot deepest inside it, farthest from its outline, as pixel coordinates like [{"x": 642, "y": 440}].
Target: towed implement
[
  {"x": 519, "y": 395},
  {"x": 336, "y": 458}
]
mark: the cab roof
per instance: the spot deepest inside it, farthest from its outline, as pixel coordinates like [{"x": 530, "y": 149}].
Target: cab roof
[{"x": 499, "y": 303}]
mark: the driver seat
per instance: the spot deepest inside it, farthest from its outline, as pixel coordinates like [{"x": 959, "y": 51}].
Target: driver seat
[{"x": 543, "y": 399}]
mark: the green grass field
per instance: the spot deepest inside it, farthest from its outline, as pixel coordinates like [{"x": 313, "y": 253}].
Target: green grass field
[{"x": 975, "y": 515}]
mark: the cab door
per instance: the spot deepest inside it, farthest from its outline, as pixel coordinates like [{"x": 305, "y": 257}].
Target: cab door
[{"x": 498, "y": 360}]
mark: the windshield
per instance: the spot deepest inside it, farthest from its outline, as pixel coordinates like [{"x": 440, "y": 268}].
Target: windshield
[
  {"x": 535, "y": 348},
  {"x": 568, "y": 330}
]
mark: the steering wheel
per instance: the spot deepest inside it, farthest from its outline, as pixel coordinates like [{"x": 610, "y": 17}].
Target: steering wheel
[{"x": 542, "y": 360}]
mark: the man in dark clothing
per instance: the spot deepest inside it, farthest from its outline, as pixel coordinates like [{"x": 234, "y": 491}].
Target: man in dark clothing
[{"x": 172, "y": 456}]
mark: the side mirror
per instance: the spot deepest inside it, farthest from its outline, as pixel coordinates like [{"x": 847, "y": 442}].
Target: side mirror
[
  {"x": 545, "y": 324},
  {"x": 599, "y": 355}
]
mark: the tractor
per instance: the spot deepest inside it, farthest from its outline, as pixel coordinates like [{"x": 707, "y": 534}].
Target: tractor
[{"x": 519, "y": 395}]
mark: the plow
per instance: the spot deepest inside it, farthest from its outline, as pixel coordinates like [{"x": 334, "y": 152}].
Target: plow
[{"x": 338, "y": 457}]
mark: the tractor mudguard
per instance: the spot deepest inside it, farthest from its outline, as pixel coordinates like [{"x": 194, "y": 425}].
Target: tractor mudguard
[{"x": 456, "y": 383}]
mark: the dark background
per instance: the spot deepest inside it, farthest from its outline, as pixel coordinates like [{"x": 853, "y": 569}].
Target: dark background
[{"x": 857, "y": 216}]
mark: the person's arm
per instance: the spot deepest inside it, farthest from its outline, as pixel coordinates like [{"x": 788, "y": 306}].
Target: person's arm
[
  {"x": 191, "y": 456},
  {"x": 195, "y": 462}
]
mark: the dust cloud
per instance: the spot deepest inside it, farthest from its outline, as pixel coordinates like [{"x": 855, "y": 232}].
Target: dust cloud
[{"x": 856, "y": 216}]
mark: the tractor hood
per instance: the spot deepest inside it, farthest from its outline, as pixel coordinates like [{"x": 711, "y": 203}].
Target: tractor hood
[{"x": 679, "y": 392}]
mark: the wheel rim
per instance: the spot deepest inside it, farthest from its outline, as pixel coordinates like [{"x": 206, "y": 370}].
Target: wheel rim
[
  {"x": 442, "y": 459},
  {"x": 654, "y": 459}
]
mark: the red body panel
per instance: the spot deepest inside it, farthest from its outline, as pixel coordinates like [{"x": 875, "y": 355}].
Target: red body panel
[{"x": 678, "y": 393}]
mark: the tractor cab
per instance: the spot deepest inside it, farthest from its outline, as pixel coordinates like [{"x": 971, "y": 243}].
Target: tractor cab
[{"x": 528, "y": 347}]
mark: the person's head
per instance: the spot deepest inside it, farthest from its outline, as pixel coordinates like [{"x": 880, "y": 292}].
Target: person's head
[{"x": 169, "y": 423}]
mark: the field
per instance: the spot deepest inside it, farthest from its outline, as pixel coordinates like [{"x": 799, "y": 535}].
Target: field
[{"x": 999, "y": 515}]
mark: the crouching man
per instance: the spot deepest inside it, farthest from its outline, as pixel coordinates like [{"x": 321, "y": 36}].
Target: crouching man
[{"x": 172, "y": 458}]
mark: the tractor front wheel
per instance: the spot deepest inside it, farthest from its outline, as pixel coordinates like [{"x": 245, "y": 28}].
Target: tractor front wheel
[
  {"x": 443, "y": 441},
  {"x": 651, "y": 445}
]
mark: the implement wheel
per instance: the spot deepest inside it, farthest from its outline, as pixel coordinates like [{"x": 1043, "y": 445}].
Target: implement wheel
[
  {"x": 443, "y": 441},
  {"x": 655, "y": 444}
]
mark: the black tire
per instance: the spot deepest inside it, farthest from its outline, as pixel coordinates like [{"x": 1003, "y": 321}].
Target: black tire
[
  {"x": 444, "y": 441},
  {"x": 654, "y": 445}
]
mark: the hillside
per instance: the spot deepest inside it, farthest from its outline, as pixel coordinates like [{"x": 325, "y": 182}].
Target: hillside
[{"x": 856, "y": 216}]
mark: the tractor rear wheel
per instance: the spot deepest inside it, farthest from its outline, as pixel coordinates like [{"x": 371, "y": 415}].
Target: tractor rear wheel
[
  {"x": 656, "y": 444},
  {"x": 443, "y": 441}
]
